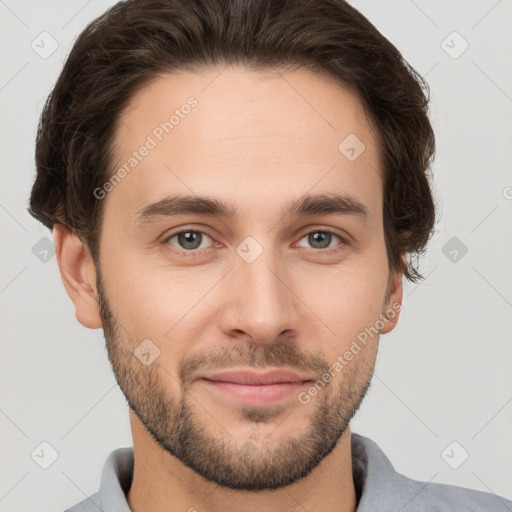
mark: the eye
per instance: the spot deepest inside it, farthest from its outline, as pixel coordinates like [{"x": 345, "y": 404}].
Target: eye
[
  {"x": 188, "y": 240},
  {"x": 322, "y": 238},
  {"x": 194, "y": 241}
]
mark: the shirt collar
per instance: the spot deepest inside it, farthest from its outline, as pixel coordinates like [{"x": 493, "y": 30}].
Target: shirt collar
[{"x": 378, "y": 485}]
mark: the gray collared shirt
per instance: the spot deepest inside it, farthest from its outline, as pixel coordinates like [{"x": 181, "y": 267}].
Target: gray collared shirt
[{"x": 378, "y": 486}]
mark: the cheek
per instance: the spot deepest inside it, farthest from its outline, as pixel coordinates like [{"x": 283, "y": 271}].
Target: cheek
[
  {"x": 159, "y": 302},
  {"x": 347, "y": 300}
]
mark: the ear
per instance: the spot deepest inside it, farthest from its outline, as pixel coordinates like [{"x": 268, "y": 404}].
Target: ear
[
  {"x": 78, "y": 274},
  {"x": 393, "y": 305}
]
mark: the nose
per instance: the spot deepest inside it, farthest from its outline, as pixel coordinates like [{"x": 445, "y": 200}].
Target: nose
[{"x": 260, "y": 304}]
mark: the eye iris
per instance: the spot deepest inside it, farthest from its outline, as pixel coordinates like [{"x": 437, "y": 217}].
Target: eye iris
[
  {"x": 189, "y": 239},
  {"x": 324, "y": 238}
]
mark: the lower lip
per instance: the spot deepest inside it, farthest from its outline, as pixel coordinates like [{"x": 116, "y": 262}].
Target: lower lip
[{"x": 257, "y": 394}]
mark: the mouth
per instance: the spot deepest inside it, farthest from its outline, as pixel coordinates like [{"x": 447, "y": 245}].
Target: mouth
[{"x": 256, "y": 388}]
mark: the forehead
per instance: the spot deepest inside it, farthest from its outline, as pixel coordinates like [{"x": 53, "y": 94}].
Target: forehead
[{"x": 246, "y": 137}]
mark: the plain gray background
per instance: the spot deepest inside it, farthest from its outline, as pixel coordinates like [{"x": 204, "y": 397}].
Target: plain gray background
[{"x": 443, "y": 382}]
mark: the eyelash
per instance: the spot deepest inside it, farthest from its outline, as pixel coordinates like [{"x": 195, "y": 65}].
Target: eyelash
[{"x": 200, "y": 252}]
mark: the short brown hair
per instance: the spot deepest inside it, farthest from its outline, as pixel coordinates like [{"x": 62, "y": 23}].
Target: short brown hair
[{"x": 136, "y": 41}]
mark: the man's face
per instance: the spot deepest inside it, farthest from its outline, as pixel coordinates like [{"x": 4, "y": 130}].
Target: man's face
[{"x": 260, "y": 290}]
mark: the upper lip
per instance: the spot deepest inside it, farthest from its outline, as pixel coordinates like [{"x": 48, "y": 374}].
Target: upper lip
[{"x": 256, "y": 378}]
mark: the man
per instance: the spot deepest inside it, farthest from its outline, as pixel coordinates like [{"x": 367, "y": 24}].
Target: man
[{"x": 234, "y": 189}]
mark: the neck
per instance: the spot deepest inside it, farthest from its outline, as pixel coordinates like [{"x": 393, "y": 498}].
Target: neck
[{"x": 163, "y": 483}]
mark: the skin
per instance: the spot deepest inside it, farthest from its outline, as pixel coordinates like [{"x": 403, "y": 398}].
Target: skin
[{"x": 257, "y": 140}]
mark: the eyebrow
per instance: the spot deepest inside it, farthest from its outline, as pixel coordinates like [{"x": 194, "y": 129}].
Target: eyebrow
[{"x": 318, "y": 204}]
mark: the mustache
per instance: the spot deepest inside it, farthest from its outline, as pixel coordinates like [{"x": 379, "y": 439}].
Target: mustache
[{"x": 279, "y": 354}]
